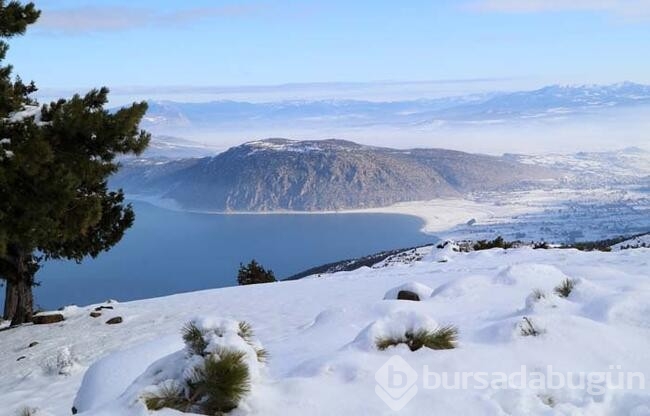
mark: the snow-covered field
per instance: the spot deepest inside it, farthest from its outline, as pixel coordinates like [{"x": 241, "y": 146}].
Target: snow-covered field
[
  {"x": 320, "y": 335},
  {"x": 557, "y": 215},
  {"x": 443, "y": 214}
]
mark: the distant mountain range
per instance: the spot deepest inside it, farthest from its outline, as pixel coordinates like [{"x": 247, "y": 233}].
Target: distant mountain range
[
  {"x": 552, "y": 102},
  {"x": 280, "y": 174},
  {"x": 168, "y": 147}
]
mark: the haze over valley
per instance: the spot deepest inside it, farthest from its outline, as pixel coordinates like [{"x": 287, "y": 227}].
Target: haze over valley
[{"x": 555, "y": 118}]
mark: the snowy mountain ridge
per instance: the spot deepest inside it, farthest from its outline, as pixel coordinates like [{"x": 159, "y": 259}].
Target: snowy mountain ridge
[
  {"x": 548, "y": 102},
  {"x": 302, "y": 146}
]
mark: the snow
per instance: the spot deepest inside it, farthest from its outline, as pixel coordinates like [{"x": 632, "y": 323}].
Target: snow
[
  {"x": 640, "y": 241},
  {"x": 103, "y": 393},
  {"x": 554, "y": 215},
  {"x": 110, "y": 376},
  {"x": 320, "y": 335},
  {"x": 444, "y": 213},
  {"x": 298, "y": 146},
  {"x": 423, "y": 291},
  {"x": 28, "y": 111},
  {"x": 393, "y": 326}
]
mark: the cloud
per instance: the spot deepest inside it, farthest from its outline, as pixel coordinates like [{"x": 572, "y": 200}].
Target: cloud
[
  {"x": 628, "y": 9},
  {"x": 89, "y": 19}
]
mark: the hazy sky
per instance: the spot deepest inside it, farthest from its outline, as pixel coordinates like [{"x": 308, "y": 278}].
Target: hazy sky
[{"x": 164, "y": 43}]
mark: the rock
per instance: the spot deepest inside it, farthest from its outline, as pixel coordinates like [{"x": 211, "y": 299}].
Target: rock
[
  {"x": 47, "y": 319},
  {"x": 74, "y": 410},
  {"x": 409, "y": 291},
  {"x": 95, "y": 314},
  {"x": 113, "y": 321},
  {"x": 407, "y": 295},
  {"x": 99, "y": 308},
  {"x": 32, "y": 344},
  {"x": 22, "y": 357}
]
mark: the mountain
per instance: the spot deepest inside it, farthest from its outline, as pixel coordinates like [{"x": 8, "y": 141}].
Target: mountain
[
  {"x": 551, "y": 101},
  {"x": 168, "y": 117},
  {"x": 280, "y": 174},
  {"x": 168, "y": 147}
]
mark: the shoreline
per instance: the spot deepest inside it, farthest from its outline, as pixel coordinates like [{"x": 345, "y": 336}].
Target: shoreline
[{"x": 437, "y": 215}]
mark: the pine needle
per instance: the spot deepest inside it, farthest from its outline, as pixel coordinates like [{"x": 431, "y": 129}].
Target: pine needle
[
  {"x": 565, "y": 288},
  {"x": 194, "y": 339},
  {"x": 443, "y": 338}
]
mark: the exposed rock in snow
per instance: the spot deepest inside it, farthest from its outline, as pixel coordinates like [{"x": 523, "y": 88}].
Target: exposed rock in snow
[{"x": 422, "y": 291}]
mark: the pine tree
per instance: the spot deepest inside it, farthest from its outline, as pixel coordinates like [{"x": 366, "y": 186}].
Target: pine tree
[
  {"x": 54, "y": 165},
  {"x": 254, "y": 273}
]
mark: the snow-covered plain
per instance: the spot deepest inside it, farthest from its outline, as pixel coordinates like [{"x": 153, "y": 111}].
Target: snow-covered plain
[
  {"x": 320, "y": 334},
  {"x": 556, "y": 215},
  {"x": 445, "y": 213}
]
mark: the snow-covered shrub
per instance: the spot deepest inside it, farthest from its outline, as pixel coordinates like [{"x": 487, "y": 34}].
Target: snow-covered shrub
[
  {"x": 215, "y": 372},
  {"x": 565, "y": 288},
  {"x": 63, "y": 363},
  {"x": 28, "y": 411},
  {"x": 444, "y": 338},
  {"x": 409, "y": 328},
  {"x": 169, "y": 394},
  {"x": 528, "y": 329},
  {"x": 247, "y": 334},
  {"x": 538, "y": 296},
  {"x": 547, "y": 399},
  {"x": 443, "y": 252}
]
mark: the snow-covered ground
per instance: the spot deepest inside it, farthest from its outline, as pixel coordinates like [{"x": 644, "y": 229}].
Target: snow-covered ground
[
  {"x": 636, "y": 242},
  {"x": 320, "y": 335},
  {"x": 557, "y": 215},
  {"x": 443, "y": 214}
]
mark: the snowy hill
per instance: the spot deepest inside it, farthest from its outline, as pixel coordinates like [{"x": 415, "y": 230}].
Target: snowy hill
[
  {"x": 320, "y": 175},
  {"x": 321, "y": 334},
  {"x": 636, "y": 242},
  {"x": 631, "y": 164}
]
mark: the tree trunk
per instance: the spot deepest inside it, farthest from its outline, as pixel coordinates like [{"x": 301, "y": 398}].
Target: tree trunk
[
  {"x": 11, "y": 300},
  {"x": 19, "y": 303},
  {"x": 25, "y": 302}
]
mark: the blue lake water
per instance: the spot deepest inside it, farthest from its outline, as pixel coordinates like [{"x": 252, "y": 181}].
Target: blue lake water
[{"x": 168, "y": 252}]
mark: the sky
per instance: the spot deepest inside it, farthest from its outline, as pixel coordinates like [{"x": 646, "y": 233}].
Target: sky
[{"x": 187, "y": 48}]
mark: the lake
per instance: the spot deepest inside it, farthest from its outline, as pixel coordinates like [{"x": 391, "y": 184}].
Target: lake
[{"x": 168, "y": 252}]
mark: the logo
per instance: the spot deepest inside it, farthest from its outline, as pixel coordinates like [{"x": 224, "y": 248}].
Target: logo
[{"x": 396, "y": 383}]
